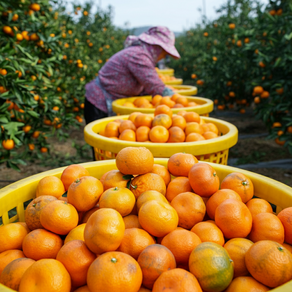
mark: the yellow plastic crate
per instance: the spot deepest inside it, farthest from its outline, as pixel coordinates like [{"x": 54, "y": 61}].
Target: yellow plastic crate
[
  {"x": 185, "y": 89},
  {"x": 16, "y": 194},
  {"x": 167, "y": 71},
  {"x": 213, "y": 150},
  {"x": 205, "y": 106}
]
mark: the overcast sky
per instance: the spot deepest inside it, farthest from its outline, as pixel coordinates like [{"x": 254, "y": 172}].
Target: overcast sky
[{"x": 177, "y": 15}]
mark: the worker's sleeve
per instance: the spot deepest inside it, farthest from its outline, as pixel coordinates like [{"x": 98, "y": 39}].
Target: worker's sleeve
[{"x": 144, "y": 71}]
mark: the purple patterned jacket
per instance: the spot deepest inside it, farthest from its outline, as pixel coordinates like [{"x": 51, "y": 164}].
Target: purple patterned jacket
[{"x": 130, "y": 72}]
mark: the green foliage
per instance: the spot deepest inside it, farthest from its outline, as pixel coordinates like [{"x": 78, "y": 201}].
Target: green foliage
[
  {"x": 228, "y": 62},
  {"x": 47, "y": 55}
]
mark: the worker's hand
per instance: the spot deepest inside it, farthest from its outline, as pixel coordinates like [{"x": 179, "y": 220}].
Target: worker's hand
[{"x": 167, "y": 92}]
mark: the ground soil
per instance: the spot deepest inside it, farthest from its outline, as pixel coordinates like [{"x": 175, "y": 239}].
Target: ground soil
[
  {"x": 248, "y": 150},
  {"x": 256, "y": 148}
]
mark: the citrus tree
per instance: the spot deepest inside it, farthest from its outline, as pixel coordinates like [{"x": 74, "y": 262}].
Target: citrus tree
[
  {"x": 47, "y": 55},
  {"x": 242, "y": 60}
]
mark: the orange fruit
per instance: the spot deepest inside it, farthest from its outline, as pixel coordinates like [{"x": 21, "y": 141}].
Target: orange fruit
[
  {"x": 158, "y": 134},
  {"x": 156, "y": 99},
  {"x": 162, "y": 109},
  {"x": 217, "y": 198},
  {"x": 11, "y": 236},
  {"x": 181, "y": 243},
  {"x": 265, "y": 94},
  {"x": 162, "y": 171},
  {"x": 104, "y": 230},
  {"x": 158, "y": 218},
  {"x": 239, "y": 183},
  {"x": 13, "y": 272},
  {"x": 34, "y": 7},
  {"x": 233, "y": 218},
  {"x": 258, "y": 205},
  {"x": 212, "y": 128},
  {"x": 231, "y": 25},
  {"x": 128, "y": 135},
  {"x": 179, "y": 164},
  {"x": 24, "y": 225},
  {"x": 180, "y": 184},
  {"x": 145, "y": 182},
  {"x": 269, "y": 263},
  {"x": 87, "y": 214},
  {"x": 237, "y": 248},
  {"x": 129, "y": 104},
  {"x": 119, "y": 199},
  {"x": 140, "y": 101},
  {"x": 213, "y": 275},
  {"x": 192, "y": 137},
  {"x": 131, "y": 221},
  {"x": 176, "y": 135},
  {"x": 48, "y": 244},
  {"x": 143, "y": 120},
  {"x": 114, "y": 178},
  {"x": 193, "y": 127},
  {"x": 182, "y": 100},
  {"x": 84, "y": 193},
  {"x": 247, "y": 283},
  {"x": 209, "y": 135},
  {"x": 285, "y": 216},
  {"x": 205, "y": 127},
  {"x": 8, "y": 256},
  {"x": 76, "y": 233},
  {"x": 178, "y": 280},
  {"x": 33, "y": 210},
  {"x": 135, "y": 240},
  {"x": 154, "y": 260},
  {"x": 178, "y": 105},
  {"x": 203, "y": 179},
  {"x": 182, "y": 113},
  {"x": 114, "y": 271},
  {"x": 208, "y": 231},
  {"x": 162, "y": 120},
  {"x": 118, "y": 121},
  {"x": 111, "y": 129},
  {"x": 50, "y": 186},
  {"x": 149, "y": 196},
  {"x": 135, "y": 211},
  {"x": 179, "y": 121},
  {"x": 192, "y": 117},
  {"x": 166, "y": 100},
  {"x": 71, "y": 173},
  {"x": 258, "y": 89},
  {"x": 133, "y": 115},
  {"x": 190, "y": 208},
  {"x": 76, "y": 258},
  {"x": 134, "y": 160},
  {"x": 36, "y": 277},
  {"x": 142, "y": 134},
  {"x": 59, "y": 217},
  {"x": 287, "y": 246},
  {"x": 82, "y": 289},
  {"x": 267, "y": 226},
  {"x": 192, "y": 104}
]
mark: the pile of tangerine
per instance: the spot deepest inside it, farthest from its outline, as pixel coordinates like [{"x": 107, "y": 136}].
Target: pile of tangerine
[
  {"x": 146, "y": 227},
  {"x": 175, "y": 101},
  {"x": 163, "y": 127},
  {"x": 164, "y": 77}
]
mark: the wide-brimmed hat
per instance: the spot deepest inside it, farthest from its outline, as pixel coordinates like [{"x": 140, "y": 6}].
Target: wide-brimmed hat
[{"x": 161, "y": 36}]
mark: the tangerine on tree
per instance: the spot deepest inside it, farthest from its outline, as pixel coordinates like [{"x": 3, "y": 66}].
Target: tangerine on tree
[{"x": 8, "y": 144}]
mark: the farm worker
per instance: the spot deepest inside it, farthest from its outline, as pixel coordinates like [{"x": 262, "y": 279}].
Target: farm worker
[{"x": 130, "y": 72}]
